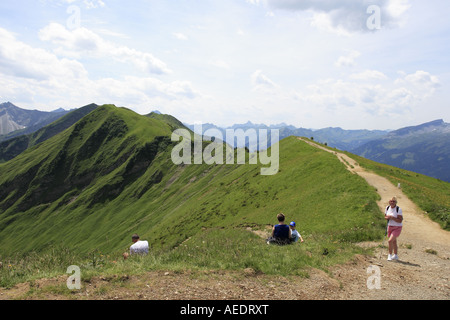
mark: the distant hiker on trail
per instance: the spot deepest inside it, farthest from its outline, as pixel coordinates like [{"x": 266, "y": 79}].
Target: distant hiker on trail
[
  {"x": 281, "y": 233},
  {"x": 139, "y": 247},
  {"x": 295, "y": 234},
  {"x": 394, "y": 216}
]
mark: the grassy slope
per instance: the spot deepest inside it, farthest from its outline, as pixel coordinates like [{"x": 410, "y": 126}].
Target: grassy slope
[
  {"x": 80, "y": 163},
  {"x": 210, "y": 205}
]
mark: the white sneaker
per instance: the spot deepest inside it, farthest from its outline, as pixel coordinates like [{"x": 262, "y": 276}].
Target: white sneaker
[
  {"x": 389, "y": 257},
  {"x": 394, "y": 257}
]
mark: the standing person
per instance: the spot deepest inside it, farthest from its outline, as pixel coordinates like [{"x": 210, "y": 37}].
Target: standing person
[
  {"x": 394, "y": 216},
  {"x": 295, "y": 234},
  {"x": 138, "y": 247},
  {"x": 281, "y": 233}
]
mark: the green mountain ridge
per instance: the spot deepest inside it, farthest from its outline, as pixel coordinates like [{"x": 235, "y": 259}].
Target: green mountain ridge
[{"x": 110, "y": 175}]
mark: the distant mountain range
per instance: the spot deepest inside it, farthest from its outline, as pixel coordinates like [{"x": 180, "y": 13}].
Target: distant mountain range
[
  {"x": 21, "y": 121},
  {"x": 423, "y": 149},
  {"x": 333, "y": 137},
  {"x": 18, "y": 142}
]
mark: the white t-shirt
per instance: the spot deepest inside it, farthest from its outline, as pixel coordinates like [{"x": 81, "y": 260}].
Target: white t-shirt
[
  {"x": 140, "y": 247},
  {"x": 295, "y": 235},
  {"x": 393, "y": 212}
]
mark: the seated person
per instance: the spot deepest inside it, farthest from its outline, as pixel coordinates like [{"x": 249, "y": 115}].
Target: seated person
[
  {"x": 281, "y": 233},
  {"x": 295, "y": 234},
  {"x": 139, "y": 247}
]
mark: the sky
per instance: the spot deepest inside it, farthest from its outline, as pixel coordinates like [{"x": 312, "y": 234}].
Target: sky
[{"x": 378, "y": 64}]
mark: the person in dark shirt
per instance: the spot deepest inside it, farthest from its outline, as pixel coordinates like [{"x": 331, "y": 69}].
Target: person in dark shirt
[{"x": 281, "y": 233}]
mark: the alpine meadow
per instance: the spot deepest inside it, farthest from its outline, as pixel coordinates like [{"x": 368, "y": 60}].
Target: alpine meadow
[{"x": 108, "y": 176}]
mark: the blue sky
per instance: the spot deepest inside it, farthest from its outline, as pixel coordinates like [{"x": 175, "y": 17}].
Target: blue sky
[{"x": 309, "y": 63}]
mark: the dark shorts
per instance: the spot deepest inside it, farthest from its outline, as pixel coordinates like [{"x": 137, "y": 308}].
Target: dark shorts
[{"x": 278, "y": 241}]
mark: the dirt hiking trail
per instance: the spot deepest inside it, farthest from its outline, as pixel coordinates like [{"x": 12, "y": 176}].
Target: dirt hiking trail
[
  {"x": 424, "y": 268},
  {"x": 422, "y": 273}
]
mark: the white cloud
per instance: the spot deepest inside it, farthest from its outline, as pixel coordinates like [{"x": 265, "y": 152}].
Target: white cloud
[
  {"x": 180, "y": 36},
  {"x": 324, "y": 21},
  {"x": 363, "y": 95},
  {"x": 219, "y": 63},
  {"x": 344, "y": 16},
  {"x": 398, "y": 8},
  {"x": 374, "y": 92},
  {"x": 422, "y": 78},
  {"x": 91, "y": 4},
  {"x": 369, "y": 75},
  {"x": 172, "y": 90},
  {"x": 88, "y": 4},
  {"x": 348, "y": 60},
  {"x": 240, "y": 32},
  {"x": 254, "y": 2},
  {"x": 21, "y": 60},
  {"x": 260, "y": 80},
  {"x": 138, "y": 91},
  {"x": 422, "y": 84},
  {"x": 31, "y": 74},
  {"x": 82, "y": 42}
]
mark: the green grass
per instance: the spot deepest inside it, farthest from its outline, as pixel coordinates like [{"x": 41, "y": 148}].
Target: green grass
[
  {"x": 312, "y": 188},
  {"x": 20, "y": 268},
  {"x": 234, "y": 249},
  {"x": 167, "y": 204},
  {"x": 215, "y": 249}
]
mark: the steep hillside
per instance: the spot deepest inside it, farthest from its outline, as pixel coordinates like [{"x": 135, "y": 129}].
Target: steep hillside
[
  {"x": 11, "y": 148},
  {"x": 424, "y": 149},
  {"x": 103, "y": 152},
  {"x": 111, "y": 175}
]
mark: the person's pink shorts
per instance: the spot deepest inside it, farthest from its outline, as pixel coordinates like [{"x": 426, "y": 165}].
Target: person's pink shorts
[{"x": 394, "y": 231}]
